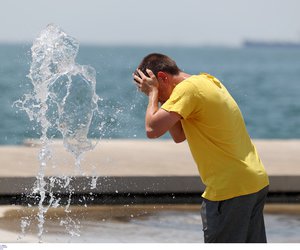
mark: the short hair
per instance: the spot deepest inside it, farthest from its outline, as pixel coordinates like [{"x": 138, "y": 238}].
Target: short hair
[{"x": 158, "y": 62}]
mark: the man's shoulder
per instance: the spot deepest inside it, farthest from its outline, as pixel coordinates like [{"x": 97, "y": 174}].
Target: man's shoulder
[
  {"x": 189, "y": 83},
  {"x": 191, "y": 86}
]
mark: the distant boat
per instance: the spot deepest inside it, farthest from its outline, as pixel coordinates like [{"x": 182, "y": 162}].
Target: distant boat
[{"x": 262, "y": 44}]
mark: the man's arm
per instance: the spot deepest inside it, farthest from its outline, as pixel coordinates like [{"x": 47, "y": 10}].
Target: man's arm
[
  {"x": 158, "y": 121},
  {"x": 177, "y": 132}
]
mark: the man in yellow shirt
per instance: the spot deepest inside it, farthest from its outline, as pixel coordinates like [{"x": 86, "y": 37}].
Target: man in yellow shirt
[{"x": 200, "y": 109}]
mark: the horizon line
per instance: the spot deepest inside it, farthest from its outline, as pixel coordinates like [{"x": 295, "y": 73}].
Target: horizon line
[{"x": 84, "y": 43}]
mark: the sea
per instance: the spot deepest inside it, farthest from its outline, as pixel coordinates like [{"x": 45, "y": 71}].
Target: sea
[{"x": 265, "y": 83}]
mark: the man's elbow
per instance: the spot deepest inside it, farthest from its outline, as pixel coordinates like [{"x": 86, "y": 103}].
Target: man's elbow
[
  {"x": 151, "y": 133},
  {"x": 179, "y": 140},
  {"x": 151, "y": 136}
]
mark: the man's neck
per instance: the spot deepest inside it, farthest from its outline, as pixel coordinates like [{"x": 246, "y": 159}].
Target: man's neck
[{"x": 180, "y": 77}]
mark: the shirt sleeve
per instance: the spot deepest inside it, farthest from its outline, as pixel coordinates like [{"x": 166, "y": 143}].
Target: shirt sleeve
[{"x": 184, "y": 100}]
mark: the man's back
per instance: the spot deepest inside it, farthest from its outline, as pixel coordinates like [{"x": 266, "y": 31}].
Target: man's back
[{"x": 214, "y": 127}]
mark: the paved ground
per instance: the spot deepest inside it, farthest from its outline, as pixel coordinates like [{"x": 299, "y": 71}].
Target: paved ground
[{"x": 10, "y": 220}]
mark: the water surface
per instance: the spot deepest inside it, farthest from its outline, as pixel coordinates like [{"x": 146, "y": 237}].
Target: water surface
[{"x": 144, "y": 224}]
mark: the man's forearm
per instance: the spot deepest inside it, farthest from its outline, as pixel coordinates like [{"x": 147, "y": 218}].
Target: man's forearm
[
  {"x": 151, "y": 109},
  {"x": 154, "y": 128},
  {"x": 177, "y": 132}
]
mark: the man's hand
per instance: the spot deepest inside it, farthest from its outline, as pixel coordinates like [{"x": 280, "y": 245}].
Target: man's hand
[
  {"x": 146, "y": 84},
  {"x": 157, "y": 121}
]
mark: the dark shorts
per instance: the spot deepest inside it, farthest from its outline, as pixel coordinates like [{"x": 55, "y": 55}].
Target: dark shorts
[{"x": 237, "y": 220}]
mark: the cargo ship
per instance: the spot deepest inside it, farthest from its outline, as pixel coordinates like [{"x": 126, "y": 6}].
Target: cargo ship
[{"x": 263, "y": 44}]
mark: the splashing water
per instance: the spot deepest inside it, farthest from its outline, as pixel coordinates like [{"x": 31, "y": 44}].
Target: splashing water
[{"x": 63, "y": 99}]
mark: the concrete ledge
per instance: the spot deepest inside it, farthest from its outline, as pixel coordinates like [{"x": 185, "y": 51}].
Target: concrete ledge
[
  {"x": 133, "y": 184},
  {"x": 285, "y": 184},
  {"x": 109, "y": 185}
]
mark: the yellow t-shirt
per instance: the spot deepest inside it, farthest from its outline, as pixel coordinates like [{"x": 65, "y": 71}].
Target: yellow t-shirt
[{"x": 228, "y": 162}]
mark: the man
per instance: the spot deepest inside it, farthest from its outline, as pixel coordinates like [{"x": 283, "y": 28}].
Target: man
[{"x": 200, "y": 109}]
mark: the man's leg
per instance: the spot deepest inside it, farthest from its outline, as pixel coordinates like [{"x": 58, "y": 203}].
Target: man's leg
[
  {"x": 234, "y": 220},
  {"x": 256, "y": 231}
]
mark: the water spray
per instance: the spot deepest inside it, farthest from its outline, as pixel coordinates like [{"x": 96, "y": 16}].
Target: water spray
[{"x": 63, "y": 99}]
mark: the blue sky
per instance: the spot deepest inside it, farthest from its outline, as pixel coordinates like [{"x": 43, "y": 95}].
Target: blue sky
[{"x": 155, "y": 22}]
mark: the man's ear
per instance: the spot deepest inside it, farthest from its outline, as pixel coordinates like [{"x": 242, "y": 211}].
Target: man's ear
[{"x": 163, "y": 76}]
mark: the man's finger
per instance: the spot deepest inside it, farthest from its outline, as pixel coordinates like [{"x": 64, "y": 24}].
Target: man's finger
[
  {"x": 150, "y": 73},
  {"x": 141, "y": 74},
  {"x": 137, "y": 79},
  {"x": 137, "y": 83}
]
